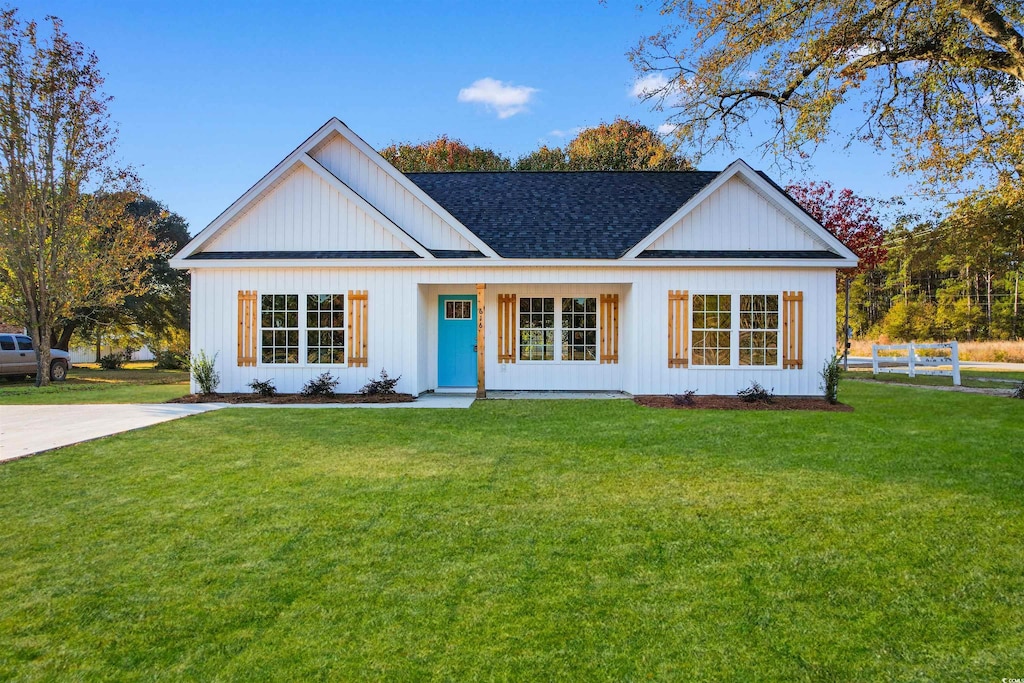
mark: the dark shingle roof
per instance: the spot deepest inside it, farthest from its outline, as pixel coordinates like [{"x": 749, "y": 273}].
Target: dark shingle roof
[
  {"x": 720, "y": 253},
  {"x": 456, "y": 253},
  {"x": 588, "y": 214}
]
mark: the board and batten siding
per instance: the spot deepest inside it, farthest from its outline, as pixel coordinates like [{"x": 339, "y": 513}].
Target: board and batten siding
[
  {"x": 403, "y": 324},
  {"x": 303, "y": 213},
  {"x": 357, "y": 171},
  {"x": 736, "y": 217}
]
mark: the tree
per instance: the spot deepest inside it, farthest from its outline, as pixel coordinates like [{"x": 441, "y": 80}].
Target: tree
[
  {"x": 544, "y": 159},
  {"x": 443, "y": 154},
  {"x": 938, "y": 80},
  {"x": 850, "y": 218},
  {"x": 159, "y": 314},
  {"x": 68, "y": 242},
  {"x": 622, "y": 145}
]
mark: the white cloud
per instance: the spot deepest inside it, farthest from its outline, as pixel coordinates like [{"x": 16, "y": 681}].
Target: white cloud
[
  {"x": 503, "y": 98},
  {"x": 648, "y": 85},
  {"x": 559, "y": 133},
  {"x": 667, "y": 128}
]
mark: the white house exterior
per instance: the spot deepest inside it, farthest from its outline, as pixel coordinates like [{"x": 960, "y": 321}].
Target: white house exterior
[{"x": 337, "y": 262}]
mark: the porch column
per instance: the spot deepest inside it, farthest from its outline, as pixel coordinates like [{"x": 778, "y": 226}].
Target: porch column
[{"x": 481, "y": 348}]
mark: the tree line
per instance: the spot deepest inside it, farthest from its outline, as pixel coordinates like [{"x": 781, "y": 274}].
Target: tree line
[
  {"x": 621, "y": 145},
  {"x": 953, "y": 277}
]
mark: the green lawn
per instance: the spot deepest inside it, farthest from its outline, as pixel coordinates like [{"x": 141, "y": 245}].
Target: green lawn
[
  {"x": 526, "y": 540},
  {"x": 137, "y": 383}
]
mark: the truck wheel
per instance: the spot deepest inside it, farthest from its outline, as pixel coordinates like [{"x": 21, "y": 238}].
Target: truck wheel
[{"x": 58, "y": 371}]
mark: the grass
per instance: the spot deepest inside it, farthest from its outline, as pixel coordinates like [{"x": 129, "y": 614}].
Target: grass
[
  {"x": 138, "y": 382},
  {"x": 980, "y": 351},
  {"x": 526, "y": 540}
]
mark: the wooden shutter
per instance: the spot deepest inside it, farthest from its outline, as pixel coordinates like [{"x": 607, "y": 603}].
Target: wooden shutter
[
  {"x": 248, "y": 329},
  {"x": 506, "y": 328},
  {"x": 357, "y": 328},
  {"x": 678, "y": 328},
  {"x": 609, "y": 328},
  {"x": 792, "y": 329}
]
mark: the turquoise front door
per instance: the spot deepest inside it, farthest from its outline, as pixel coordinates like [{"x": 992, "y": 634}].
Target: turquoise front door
[{"x": 456, "y": 340}]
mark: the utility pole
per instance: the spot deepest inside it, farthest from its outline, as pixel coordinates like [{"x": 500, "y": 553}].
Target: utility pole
[{"x": 846, "y": 329}]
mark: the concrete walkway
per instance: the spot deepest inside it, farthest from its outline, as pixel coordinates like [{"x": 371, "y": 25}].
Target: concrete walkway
[{"x": 25, "y": 430}]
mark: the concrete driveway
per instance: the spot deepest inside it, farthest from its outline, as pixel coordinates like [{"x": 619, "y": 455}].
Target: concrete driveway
[{"x": 25, "y": 430}]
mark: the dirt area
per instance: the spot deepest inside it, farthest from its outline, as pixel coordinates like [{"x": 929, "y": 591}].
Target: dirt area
[
  {"x": 735, "y": 403},
  {"x": 283, "y": 399}
]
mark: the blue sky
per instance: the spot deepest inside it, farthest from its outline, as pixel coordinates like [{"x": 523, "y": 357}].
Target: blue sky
[{"x": 210, "y": 95}]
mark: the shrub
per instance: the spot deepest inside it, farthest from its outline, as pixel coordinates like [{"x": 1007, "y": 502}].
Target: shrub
[
  {"x": 754, "y": 393},
  {"x": 168, "y": 360},
  {"x": 830, "y": 379},
  {"x": 381, "y": 386},
  {"x": 114, "y": 361},
  {"x": 265, "y": 389},
  {"x": 685, "y": 398},
  {"x": 320, "y": 386},
  {"x": 1018, "y": 391},
  {"x": 204, "y": 372}
]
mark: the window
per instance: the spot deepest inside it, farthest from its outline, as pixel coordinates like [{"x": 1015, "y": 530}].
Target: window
[
  {"x": 325, "y": 328},
  {"x": 537, "y": 328},
  {"x": 279, "y": 326},
  {"x": 24, "y": 343},
  {"x": 579, "y": 328},
  {"x": 458, "y": 310},
  {"x": 759, "y": 329},
  {"x": 712, "y": 329},
  {"x": 6, "y": 343}
]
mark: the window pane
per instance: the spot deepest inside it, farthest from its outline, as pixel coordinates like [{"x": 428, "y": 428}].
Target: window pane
[
  {"x": 579, "y": 330},
  {"x": 759, "y": 324},
  {"x": 325, "y": 338},
  {"x": 711, "y": 337}
]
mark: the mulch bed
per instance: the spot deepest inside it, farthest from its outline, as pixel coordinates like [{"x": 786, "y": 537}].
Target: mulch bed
[
  {"x": 735, "y": 403},
  {"x": 285, "y": 399}
]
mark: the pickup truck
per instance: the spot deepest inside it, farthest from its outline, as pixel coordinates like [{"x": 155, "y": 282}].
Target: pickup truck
[{"x": 18, "y": 358}]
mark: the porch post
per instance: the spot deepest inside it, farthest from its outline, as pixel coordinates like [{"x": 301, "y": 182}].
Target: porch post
[{"x": 481, "y": 348}]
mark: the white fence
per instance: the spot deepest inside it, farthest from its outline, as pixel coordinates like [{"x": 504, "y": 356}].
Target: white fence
[
  {"x": 87, "y": 354},
  {"x": 912, "y": 364}
]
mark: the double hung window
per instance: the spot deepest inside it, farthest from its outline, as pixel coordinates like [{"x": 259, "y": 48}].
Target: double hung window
[
  {"x": 748, "y": 323},
  {"x": 319, "y": 325},
  {"x": 575, "y": 327}
]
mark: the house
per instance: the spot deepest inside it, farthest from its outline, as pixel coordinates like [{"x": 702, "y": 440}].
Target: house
[{"x": 641, "y": 282}]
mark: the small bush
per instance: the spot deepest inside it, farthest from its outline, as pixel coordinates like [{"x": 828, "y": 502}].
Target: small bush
[
  {"x": 265, "y": 389},
  {"x": 685, "y": 398},
  {"x": 114, "y": 361},
  {"x": 320, "y": 386},
  {"x": 830, "y": 379},
  {"x": 381, "y": 386},
  {"x": 1018, "y": 391},
  {"x": 754, "y": 393},
  {"x": 168, "y": 360},
  {"x": 204, "y": 372}
]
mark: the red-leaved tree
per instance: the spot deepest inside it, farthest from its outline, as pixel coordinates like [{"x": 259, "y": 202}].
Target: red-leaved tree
[{"x": 850, "y": 218}]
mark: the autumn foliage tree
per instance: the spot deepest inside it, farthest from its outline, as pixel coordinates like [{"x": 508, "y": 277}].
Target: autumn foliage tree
[
  {"x": 68, "y": 242},
  {"x": 443, "y": 154},
  {"x": 623, "y": 145},
  {"x": 852, "y": 219},
  {"x": 938, "y": 80}
]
